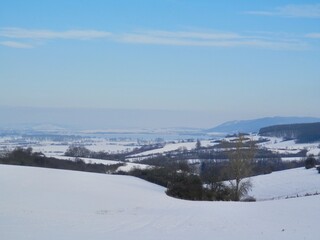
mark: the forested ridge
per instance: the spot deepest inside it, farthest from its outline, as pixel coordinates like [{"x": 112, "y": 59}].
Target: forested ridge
[{"x": 303, "y": 133}]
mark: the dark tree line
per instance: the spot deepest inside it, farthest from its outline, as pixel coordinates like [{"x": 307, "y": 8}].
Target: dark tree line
[
  {"x": 80, "y": 151},
  {"x": 25, "y": 157}
]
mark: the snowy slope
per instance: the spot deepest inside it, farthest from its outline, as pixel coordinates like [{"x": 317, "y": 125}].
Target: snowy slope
[
  {"x": 279, "y": 145},
  {"x": 50, "y": 204},
  {"x": 288, "y": 183}
]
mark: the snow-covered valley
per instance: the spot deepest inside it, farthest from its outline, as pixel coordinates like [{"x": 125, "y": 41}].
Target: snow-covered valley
[{"x": 57, "y": 145}]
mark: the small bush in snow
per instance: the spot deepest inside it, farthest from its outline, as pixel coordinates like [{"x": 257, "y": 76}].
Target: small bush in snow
[{"x": 310, "y": 162}]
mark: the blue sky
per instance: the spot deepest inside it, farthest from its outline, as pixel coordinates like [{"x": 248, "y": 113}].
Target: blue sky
[{"x": 229, "y": 59}]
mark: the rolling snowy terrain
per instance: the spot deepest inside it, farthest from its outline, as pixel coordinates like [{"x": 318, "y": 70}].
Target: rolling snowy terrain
[
  {"x": 50, "y": 204},
  {"x": 56, "y": 145}
]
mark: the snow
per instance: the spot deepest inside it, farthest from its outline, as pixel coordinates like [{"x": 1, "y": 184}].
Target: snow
[
  {"x": 89, "y": 160},
  {"x": 128, "y": 166},
  {"x": 169, "y": 147},
  {"x": 52, "y": 204},
  {"x": 278, "y": 145},
  {"x": 53, "y": 148},
  {"x": 291, "y": 159},
  {"x": 287, "y": 183},
  {"x": 50, "y": 149}
]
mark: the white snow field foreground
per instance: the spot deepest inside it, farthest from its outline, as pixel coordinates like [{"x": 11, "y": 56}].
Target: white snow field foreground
[{"x": 38, "y": 204}]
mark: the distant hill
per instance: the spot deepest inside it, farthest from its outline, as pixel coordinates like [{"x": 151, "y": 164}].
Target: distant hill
[
  {"x": 249, "y": 126},
  {"x": 303, "y": 132}
]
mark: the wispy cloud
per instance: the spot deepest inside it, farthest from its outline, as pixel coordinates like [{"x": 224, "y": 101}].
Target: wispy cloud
[
  {"x": 294, "y": 11},
  {"x": 209, "y": 39},
  {"x": 313, "y": 35},
  {"x": 49, "y": 34},
  {"x": 178, "y": 38},
  {"x": 14, "y": 44},
  {"x": 154, "y": 37}
]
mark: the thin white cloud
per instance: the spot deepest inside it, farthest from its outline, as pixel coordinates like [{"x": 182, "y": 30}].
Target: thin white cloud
[
  {"x": 154, "y": 37},
  {"x": 294, "y": 11},
  {"x": 193, "y": 35},
  {"x": 49, "y": 34},
  {"x": 14, "y": 44},
  {"x": 203, "y": 39},
  {"x": 313, "y": 35}
]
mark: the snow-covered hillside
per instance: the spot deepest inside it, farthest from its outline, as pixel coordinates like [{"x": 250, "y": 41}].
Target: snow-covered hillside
[
  {"x": 50, "y": 204},
  {"x": 280, "y": 145},
  {"x": 286, "y": 184}
]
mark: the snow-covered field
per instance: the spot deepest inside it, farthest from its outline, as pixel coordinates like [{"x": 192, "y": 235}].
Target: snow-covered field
[
  {"x": 168, "y": 148},
  {"x": 278, "y": 145},
  {"x": 118, "y": 145},
  {"x": 54, "y": 148},
  {"x": 38, "y": 203},
  {"x": 281, "y": 146},
  {"x": 286, "y": 184},
  {"x": 128, "y": 166},
  {"x": 173, "y": 146},
  {"x": 96, "y": 145}
]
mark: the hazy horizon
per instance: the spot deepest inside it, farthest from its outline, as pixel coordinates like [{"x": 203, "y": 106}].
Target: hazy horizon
[{"x": 104, "y": 119}]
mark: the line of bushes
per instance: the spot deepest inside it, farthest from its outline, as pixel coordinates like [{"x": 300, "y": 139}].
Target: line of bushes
[{"x": 25, "y": 157}]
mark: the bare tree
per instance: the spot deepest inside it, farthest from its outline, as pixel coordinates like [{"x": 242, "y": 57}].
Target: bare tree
[
  {"x": 198, "y": 144},
  {"x": 240, "y": 166}
]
